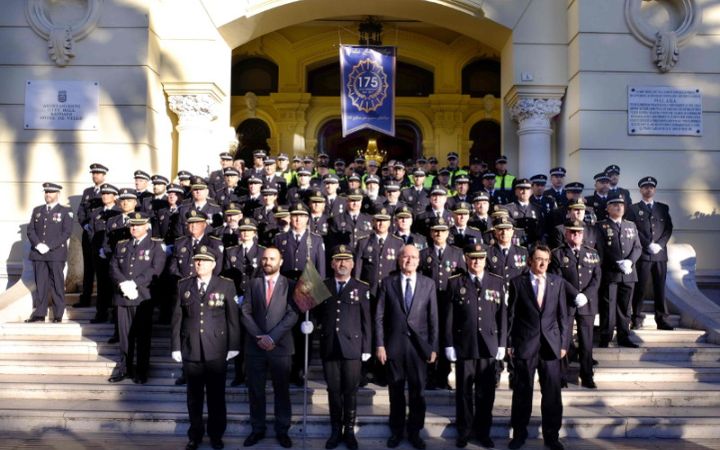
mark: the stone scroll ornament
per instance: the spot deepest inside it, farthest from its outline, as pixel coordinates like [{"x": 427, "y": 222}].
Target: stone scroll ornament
[
  {"x": 664, "y": 43},
  {"x": 61, "y": 34}
]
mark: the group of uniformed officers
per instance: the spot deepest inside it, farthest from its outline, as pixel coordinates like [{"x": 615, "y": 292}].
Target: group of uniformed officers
[{"x": 431, "y": 273}]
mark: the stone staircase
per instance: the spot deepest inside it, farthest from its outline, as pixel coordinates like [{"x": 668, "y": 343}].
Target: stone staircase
[{"x": 53, "y": 376}]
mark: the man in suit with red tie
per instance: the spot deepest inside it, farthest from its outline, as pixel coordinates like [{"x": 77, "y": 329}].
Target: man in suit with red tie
[
  {"x": 268, "y": 316},
  {"x": 406, "y": 336},
  {"x": 537, "y": 340}
]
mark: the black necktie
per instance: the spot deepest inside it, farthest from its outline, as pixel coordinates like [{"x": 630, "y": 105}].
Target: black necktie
[
  {"x": 477, "y": 283},
  {"x": 297, "y": 240},
  {"x": 408, "y": 295},
  {"x": 440, "y": 254},
  {"x": 135, "y": 243},
  {"x": 505, "y": 252},
  {"x": 341, "y": 285},
  {"x": 404, "y": 238},
  {"x": 47, "y": 208},
  {"x": 203, "y": 288},
  {"x": 243, "y": 252},
  {"x": 576, "y": 253},
  {"x": 381, "y": 242}
]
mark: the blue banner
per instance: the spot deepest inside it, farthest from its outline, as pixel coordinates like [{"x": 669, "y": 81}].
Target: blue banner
[{"x": 368, "y": 88}]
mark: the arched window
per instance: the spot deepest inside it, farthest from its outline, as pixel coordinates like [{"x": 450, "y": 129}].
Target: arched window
[
  {"x": 256, "y": 75},
  {"x": 485, "y": 136},
  {"x": 407, "y": 143},
  {"x": 410, "y": 81},
  {"x": 481, "y": 77},
  {"x": 253, "y": 134}
]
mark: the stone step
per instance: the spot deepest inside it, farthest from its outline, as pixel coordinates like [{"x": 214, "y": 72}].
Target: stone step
[
  {"x": 64, "y": 387},
  {"x": 82, "y": 346},
  {"x": 676, "y": 335},
  {"x": 170, "y": 418}
]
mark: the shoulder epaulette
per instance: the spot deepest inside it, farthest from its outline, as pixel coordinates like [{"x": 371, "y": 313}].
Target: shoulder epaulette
[
  {"x": 123, "y": 241},
  {"x": 455, "y": 276},
  {"x": 186, "y": 278},
  {"x": 315, "y": 234},
  {"x": 396, "y": 237},
  {"x": 474, "y": 228},
  {"x": 362, "y": 282},
  {"x": 365, "y": 236},
  {"x": 225, "y": 278},
  {"x": 495, "y": 275},
  {"x": 157, "y": 239},
  {"x": 232, "y": 246},
  {"x": 589, "y": 248},
  {"x": 215, "y": 237},
  {"x": 212, "y": 203},
  {"x": 180, "y": 238}
]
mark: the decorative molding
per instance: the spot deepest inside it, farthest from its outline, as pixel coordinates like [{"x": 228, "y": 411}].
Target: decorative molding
[
  {"x": 194, "y": 103},
  {"x": 664, "y": 44},
  {"x": 61, "y": 38},
  {"x": 532, "y": 106},
  {"x": 535, "y": 109}
]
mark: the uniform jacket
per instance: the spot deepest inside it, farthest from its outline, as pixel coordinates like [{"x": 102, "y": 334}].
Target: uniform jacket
[
  {"x": 99, "y": 218},
  {"x": 343, "y": 321},
  {"x": 530, "y": 218},
  {"x": 343, "y": 230},
  {"x": 583, "y": 273},
  {"x": 205, "y": 326},
  {"x": 529, "y": 325},
  {"x": 182, "y": 265},
  {"x": 469, "y": 236},
  {"x": 510, "y": 266},
  {"x": 653, "y": 225},
  {"x": 475, "y": 317},
  {"x": 416, "y": 199},
  {"x": 416, "y": 239},
  {"x": 452, "y": 263},
  {"x": 142, "y": 264},
  {"x": 372, "y": 263},
  {"x": 241, "y": 268},
  {"x": 616, "y": 243},
  {"x": 276, "y": 319},
  {"x": 399, "y": 330},
  {"x": 165, "y": 224},
  {"x": 296, "y": 255},
  {"x": 52, "y": 228},
  {"x": 557, "y": 236},
  {"x": 212, "y": 210},
  {"x": 90, "y": 200}
]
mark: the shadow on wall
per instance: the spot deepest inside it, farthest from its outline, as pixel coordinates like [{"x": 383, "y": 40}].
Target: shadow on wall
[{"x": 27, "y": 148}]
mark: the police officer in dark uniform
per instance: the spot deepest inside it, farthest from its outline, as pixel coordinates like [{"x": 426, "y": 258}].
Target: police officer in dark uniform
[
  {"x": 461, "y": 234},
  {"x": 199, "y": 203},
  {"x": 599, "y": 199},
  {"x": 525, "y": 214},
  {"x": 347, "y": 227},
  {"x": 216, "y": 179},
  {"x": 48, "y": 230},
  {"x": 613, "y": 172},
  {"x": 579, "y": 265},
  {"x": 619, "y": 248},
  {"x": 334, "y": 203},
  {"x": 480, "y": 215},
  {"x": 403, "y": 228},
  {"x": 546, "y": 203},
  {"x": 556, "y": 189},
  {"x": 142, "y": 179},
  {"x": 376, "y": 254},
  {"x": 344, "y": 324},
  {"x": 575, "y": 211},
  {"x": 164, "y": 221},
  {"x": 655, "y": 227},
  {"x": 205, "y": 334},
  {"x": 462, "y": 192},
  {"x": 229, "y": 191},
  {"x": 90, "y": 200},
  {"x": 436, "y": 209},
  {"x": 318, "y": 222},
  {"x": 228, "y": 233},
  {"x": 440, "y": 261},
  {"x": 241, "y": 264},
  {"x": 475, "y": 336},
  {"x": 135, "y": 265},
  {"x": 158, "y": 200},
  {"x": 185, "y": 246},
  {"x": 416, "y": 196},
  {"x": 100, "y": 216}
]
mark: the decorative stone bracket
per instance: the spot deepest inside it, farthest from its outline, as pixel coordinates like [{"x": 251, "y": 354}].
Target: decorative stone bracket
[
  {"x": 664, "y": 44},
  {"x": 194, "y": 103},
  {"x": 61, "y": 36}
]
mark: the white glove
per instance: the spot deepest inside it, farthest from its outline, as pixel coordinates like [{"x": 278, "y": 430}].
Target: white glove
[
  {"x": 655, "y": 248},
  {"x": 102, "y": 253},
  {"x": 131, "y": 284},
  {"x": 365, "y": 357},
  {"x": 231, "y": 354},
  {"x": 42, "y": 248},
  {"x": 625, "y": 266},
  {"x": 133, "y": 294},
  {"x": 177, "y": 356},
  {"x": 500, "y": 354},
  {"x": 124, "y": 287},
  {"x": 450, "y": 354},
  {"x": 306, "y": 327},
  {"x": 580, "y": 300}
]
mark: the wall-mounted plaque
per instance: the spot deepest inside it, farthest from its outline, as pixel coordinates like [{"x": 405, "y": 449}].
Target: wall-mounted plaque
[
  {"x": 664, "y": 111},
  {"x": 62, "y": 105}
]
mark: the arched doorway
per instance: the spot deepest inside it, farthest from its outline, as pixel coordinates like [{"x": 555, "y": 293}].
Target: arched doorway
[
  {"x": 406, "y": 144},
  {"x": 485, "y": 136},
  {"x": 253, "y": 134}
]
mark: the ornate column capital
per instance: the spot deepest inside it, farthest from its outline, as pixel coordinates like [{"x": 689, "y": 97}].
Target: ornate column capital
[
  {"x": 535, "y": 109},
  {"x": 194, "y": 103}
]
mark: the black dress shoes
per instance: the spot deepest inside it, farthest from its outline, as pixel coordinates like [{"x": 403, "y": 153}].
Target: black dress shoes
[
  {"x": 554, "y": 445},
  {"x": 217, "y": 444},
  {"x": 588, "y": 383},
  {"x": 487, "y": 442},
  {"x": 117, "y": 378},
  {"x": 57, "y": 320},
  {"x": 35, "y": 319},
  {"x": 181, "y": 381},
  {"x": 417, "y": 442},
  {"x": 461, "y": 442},
  {"x": 334, "y": 439},
  {"x": 393, "y": 441},
  {"x": 664, "y": 326},
  {"x": 284, "y": 440},
  {"x": 237, "y": 382},
  {"x": 113, "y": 339},
  {"x": 350, "y": 439},
  {"x": 627, "y": 343},
  {"x": 253, "y": 439},
  {"x": 99, "y": 319},
  {"x": 516, "y": 443},
  {"x": 140, "y": 380},
  {"x": 192, "y": 445}
]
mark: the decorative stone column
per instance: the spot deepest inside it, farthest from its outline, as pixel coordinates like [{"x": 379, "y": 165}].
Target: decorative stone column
[
  {"x": 532, "y": 112},
  {"x": 195, "y": 105},
  {"x": 290, "y": 108}
]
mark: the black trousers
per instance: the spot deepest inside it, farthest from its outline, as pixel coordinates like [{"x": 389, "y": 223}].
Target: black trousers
[
  {"x": 551, "y": 404},
  {"x": 135, "y": 330},
  {"x": 88, "y": 268},
  {"x": 257, "y": 367},
  {"x": 206, "y": 377},
  {"x": 410, "y": 369},
  {"x": 343, "y": 379},
  {"x": 655, "y": 272},
  {"x": 585, "y": 344},
  {"x": 104, "y": 285},
  {"x": 49, "y": 281},
  {"x": 474, "y": 396},
  {"x": 615, "y": 300}
]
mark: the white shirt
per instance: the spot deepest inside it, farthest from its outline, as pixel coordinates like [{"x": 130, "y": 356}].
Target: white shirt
[
  {"x": 477, "y": 277},
  {"x": 274, "y": 279},
  {"x": 200, "y": 281},
  {"x": 534, "y": 280},
  {"x": 403, "y": 282}
]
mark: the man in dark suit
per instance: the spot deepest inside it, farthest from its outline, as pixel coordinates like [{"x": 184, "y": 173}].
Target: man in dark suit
[
  {"x": 579, "y": 265},
  {"x": 90, "y": 200},
  {"x": 619, "y": 248},
  {"x": 537, "y": 340},
  {"x": 48, "y": 230},
  {"x": 655, "y": 227},
  {"x": 206, "y": 303},
  {"x": 345, "y": 329},
  {"x": 135, "y": 265},
  {"x": 406, "y": 336},
  {"x": 268, "y": 316},
  {"x": 474, "y": 338}
]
